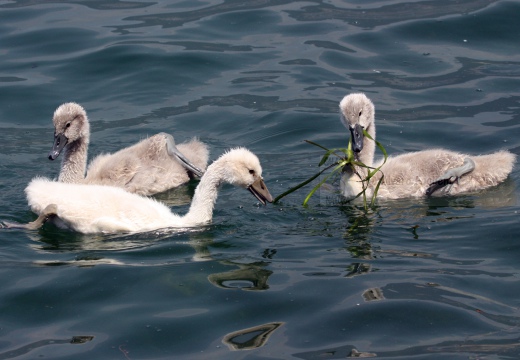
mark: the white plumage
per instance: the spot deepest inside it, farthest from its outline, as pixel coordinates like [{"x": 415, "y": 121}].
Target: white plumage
[
  {"x": 108, "y": 209},
  {"x": 412, "y": 174}
]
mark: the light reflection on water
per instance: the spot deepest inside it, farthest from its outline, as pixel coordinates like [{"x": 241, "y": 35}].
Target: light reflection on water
[{"x": 409, "y": 278}]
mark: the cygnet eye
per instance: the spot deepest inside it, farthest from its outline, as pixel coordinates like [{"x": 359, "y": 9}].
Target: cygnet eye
[
  {"x": 252, "y": 172},
  {"x": 68, "y": 125},
  {"x": 360, "y": 112}
]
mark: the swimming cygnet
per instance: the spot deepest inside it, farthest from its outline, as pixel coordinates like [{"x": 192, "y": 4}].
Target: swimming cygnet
[
  {"x": 151, "y": 166},
  {"x": 415, "y": 174}
]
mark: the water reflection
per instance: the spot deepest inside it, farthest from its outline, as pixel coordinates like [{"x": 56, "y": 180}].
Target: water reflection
[
  {"x": 245, "y": 276},
  {"x": 267, "y": 73},
  {"x": 411, "y": 219},
  {"x": 94, "y": 4},
  {"x": 489, "y": 346},
  {"x": 361, "y": 17},
  {"x": 252, "y": 276},
  {"x": 80, "y": 262},
  {"x": 355, "y": 269},
  {"x": 444, "y": 111},
  {"x": 418, "y": 215},
  {"x": 373, "y": 294},
  {"x": 445, "y": 295},
  {"x": 26, "y": 349},
  {"x": 102, "y": 249},
  {"x": 387, "y": 14},
  {"x": 470, "y": 70},
  {"x": 250, "y": 338},
  {"x": 176, "y": 19},
  {"x": 272, "y": 104},
  {"x": 50, "y": 239},
  {"x": 360, "y": 223}
]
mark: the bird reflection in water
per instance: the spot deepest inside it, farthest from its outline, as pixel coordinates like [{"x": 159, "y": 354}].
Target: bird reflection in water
[
  {"x": 247, "y": 277},
  {"x": 250, "y": 338}
]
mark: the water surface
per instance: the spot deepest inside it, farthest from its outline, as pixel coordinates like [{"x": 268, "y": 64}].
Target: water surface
[{"x": 420, "y": 279}]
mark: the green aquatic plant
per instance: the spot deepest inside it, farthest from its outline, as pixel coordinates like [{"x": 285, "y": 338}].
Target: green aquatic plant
[{"x": 345, "y": 159}]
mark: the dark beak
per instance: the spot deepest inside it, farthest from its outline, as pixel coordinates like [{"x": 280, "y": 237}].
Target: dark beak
[
  {"x": 356, "y": 134},
  {"x": 60, "y": 141},
  {"x": 259, "y": 190}
]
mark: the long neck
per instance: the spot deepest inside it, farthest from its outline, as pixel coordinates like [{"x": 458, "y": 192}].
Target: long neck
[
  {"x": 74, "y": 161},
  {"x": 366, "y": 156},
  {"x": 369, "y": 146},
  {"x": 351, "y": 181},
  {"x": 201, "y": 209}
]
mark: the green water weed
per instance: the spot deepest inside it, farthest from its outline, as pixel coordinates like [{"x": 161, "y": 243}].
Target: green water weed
[{"x": 345, "y": 158}]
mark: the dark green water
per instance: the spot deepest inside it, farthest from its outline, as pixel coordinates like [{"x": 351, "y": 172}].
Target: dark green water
[{"x": 421, "y": 279}]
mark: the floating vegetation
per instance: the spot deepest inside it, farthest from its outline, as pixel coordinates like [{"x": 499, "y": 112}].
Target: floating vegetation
[{"x": 345, "y": 158}]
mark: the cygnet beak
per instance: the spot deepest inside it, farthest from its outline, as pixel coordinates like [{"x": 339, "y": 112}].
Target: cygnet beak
[
  {"x": 60, "y": 140},
  {"x": 356, "y": 134},
  {"x": 259, "y": 190}
]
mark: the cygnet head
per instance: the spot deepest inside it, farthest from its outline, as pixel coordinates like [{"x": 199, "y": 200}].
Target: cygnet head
[
  {"x": 240, "y": 167},
  {"x": 70, "y": 124},
  {"x": 357, "y": 113}
]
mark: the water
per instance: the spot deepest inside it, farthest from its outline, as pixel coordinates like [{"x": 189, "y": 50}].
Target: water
[{"x": 420, "y": 279}]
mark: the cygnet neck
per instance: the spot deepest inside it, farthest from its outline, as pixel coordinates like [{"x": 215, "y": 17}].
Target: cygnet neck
[
  {"x": 366, "y": 156},
  {"x": 74, "y": 161}
]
